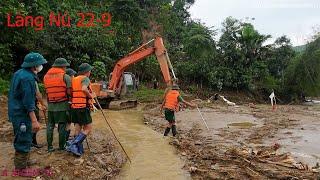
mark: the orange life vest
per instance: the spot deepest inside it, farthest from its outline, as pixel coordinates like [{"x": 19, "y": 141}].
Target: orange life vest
[
  {"x": 79, "y": 98},
  {"x": 171, "y": 101},
  {"x": 55, "y": 85}
]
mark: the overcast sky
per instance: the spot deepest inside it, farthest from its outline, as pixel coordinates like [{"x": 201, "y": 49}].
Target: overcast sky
[{"x": 294, "y": 18}]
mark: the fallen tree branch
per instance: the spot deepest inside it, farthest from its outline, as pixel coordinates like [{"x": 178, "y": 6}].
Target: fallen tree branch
[{"x": 277, "y": 163}]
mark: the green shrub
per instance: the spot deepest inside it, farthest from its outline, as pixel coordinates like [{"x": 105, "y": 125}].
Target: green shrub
[
  {"x": 145, "y": 94},
  {"x": 4, "y": 87},
  {"x": 270, "y": 83},
  {"x": 99, "y": 71}
]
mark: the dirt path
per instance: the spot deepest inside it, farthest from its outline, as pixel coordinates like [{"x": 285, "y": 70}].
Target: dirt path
[{"x": 152, "y": 156}]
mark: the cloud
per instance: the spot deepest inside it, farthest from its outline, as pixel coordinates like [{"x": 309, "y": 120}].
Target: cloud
[{"x": 294, "y": 18}]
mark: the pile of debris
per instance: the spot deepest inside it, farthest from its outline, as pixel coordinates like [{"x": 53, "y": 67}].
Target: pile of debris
[{"x": 209, "y": 161}]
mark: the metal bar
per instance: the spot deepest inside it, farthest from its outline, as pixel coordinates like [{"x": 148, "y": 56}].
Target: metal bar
[
  {"x": 45, "y": 116},
  {"x": 170, "y": 65},
  {"x": 111, "y": 129},
  {"x": 202, "y": 118}
]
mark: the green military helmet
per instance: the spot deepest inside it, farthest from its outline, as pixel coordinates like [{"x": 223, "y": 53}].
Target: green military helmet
[
  {"x": 33, "y": 59},
  {"x": 84, "y": 67},
  {"x": 175, "y": 87},
  {"x": 71, "y": 72},
  {"x": 60, "y": 62}
]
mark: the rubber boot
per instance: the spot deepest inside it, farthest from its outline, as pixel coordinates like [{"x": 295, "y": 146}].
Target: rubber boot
[
  {"x": 22, "y": 163},
  {"x": 166, "y": 132},
  {"x": 76, "y": 144},
  {"x": 69, "y": 142},
  {"x": 62, "y": 136},
  {"x": 20, "y": 160},
  {"x": 50, "y": 129},
  {"x": 34, "y": 141},
  {"x": 80, "y": 147},
  {"x": 174, "y": 130}
]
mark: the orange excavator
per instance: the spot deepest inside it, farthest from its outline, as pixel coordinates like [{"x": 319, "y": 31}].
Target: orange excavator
[{"x": 107, "y": 94}]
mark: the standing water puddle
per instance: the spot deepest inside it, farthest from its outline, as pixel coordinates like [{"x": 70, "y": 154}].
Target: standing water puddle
[
  {"x": 217, "y": 120},
  {"x": 244, "y": 125},
  {"x": 151, "y": 155}
]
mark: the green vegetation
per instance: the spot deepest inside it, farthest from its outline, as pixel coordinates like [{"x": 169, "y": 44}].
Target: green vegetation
[
  {"x": 148, "y": 95},
  {"x": 303, "y": 74},
  {"x": 4, "y": 87},
  {"x": 239, "y": 60},
  {"x": 300, "y": 49},
  {"x": 99, "y": 71}
]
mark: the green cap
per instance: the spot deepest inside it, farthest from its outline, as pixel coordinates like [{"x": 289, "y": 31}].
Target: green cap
[
  {"x": 84, "y": 67},
  {"x": 175, "y": 87},
  {"x": 71, "y": 72},
  {"x": 60, "y": 62},
  {"x": 33, "y": 59}
]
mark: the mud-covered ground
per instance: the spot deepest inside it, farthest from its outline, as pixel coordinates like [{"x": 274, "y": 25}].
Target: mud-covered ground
[
  {"x": 243, "y": 142},
  {"x": 246, "y": 141},
  {"x": 104, "y": 160}
]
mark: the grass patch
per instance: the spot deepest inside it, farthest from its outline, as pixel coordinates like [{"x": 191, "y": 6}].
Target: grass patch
[
  {"x": 148, "y": 95},
  {"x": 4, "y": 87}
]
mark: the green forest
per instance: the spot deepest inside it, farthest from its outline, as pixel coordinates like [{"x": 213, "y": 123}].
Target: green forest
[{"x": 238, "y": 60}]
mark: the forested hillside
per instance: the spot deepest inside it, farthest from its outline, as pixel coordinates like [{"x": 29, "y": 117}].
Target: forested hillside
[{"x": 238, "y": 60}]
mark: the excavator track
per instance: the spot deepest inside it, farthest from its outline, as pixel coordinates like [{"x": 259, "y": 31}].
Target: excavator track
[{"x": 122, "y": 104}]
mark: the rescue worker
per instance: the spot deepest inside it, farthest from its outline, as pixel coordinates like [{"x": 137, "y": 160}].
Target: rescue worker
[
  {"x": 71, "y": 73},
  {"x": 57, "y": 84},
  {"x": 155, "y": 83},
  {"x": 21, "y": 107},
  {"x": 82, "y": 101},
  {"x": 170, "y": 105}
]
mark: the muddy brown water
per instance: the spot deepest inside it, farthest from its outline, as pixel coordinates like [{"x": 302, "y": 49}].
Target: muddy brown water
[
  {"x": 302, "y": 141},
  {"x": 151, "y": 155}
]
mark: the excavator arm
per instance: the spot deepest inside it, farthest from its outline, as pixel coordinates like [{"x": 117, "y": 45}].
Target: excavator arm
[{"x": 138, "y": 55}]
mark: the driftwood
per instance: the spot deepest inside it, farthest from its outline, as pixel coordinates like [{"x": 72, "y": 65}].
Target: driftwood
[{"x": 277, "y": 163}]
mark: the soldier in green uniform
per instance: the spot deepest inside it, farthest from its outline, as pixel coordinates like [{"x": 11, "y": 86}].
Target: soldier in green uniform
[
  {"x": 170, "y": 104},
  {"x": 21, "y": 107},
  {"x": 82, "y": 102},
  {"x": 57, "y": 84}
]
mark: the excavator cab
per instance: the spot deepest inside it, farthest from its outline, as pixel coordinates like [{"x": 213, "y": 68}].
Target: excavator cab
[
  {"x": 111, "y": 100},
  {"x": 129, "y": 83}
]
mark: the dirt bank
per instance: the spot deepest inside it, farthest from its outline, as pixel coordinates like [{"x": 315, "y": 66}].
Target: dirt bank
[{"x": 242, "y": 142}]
